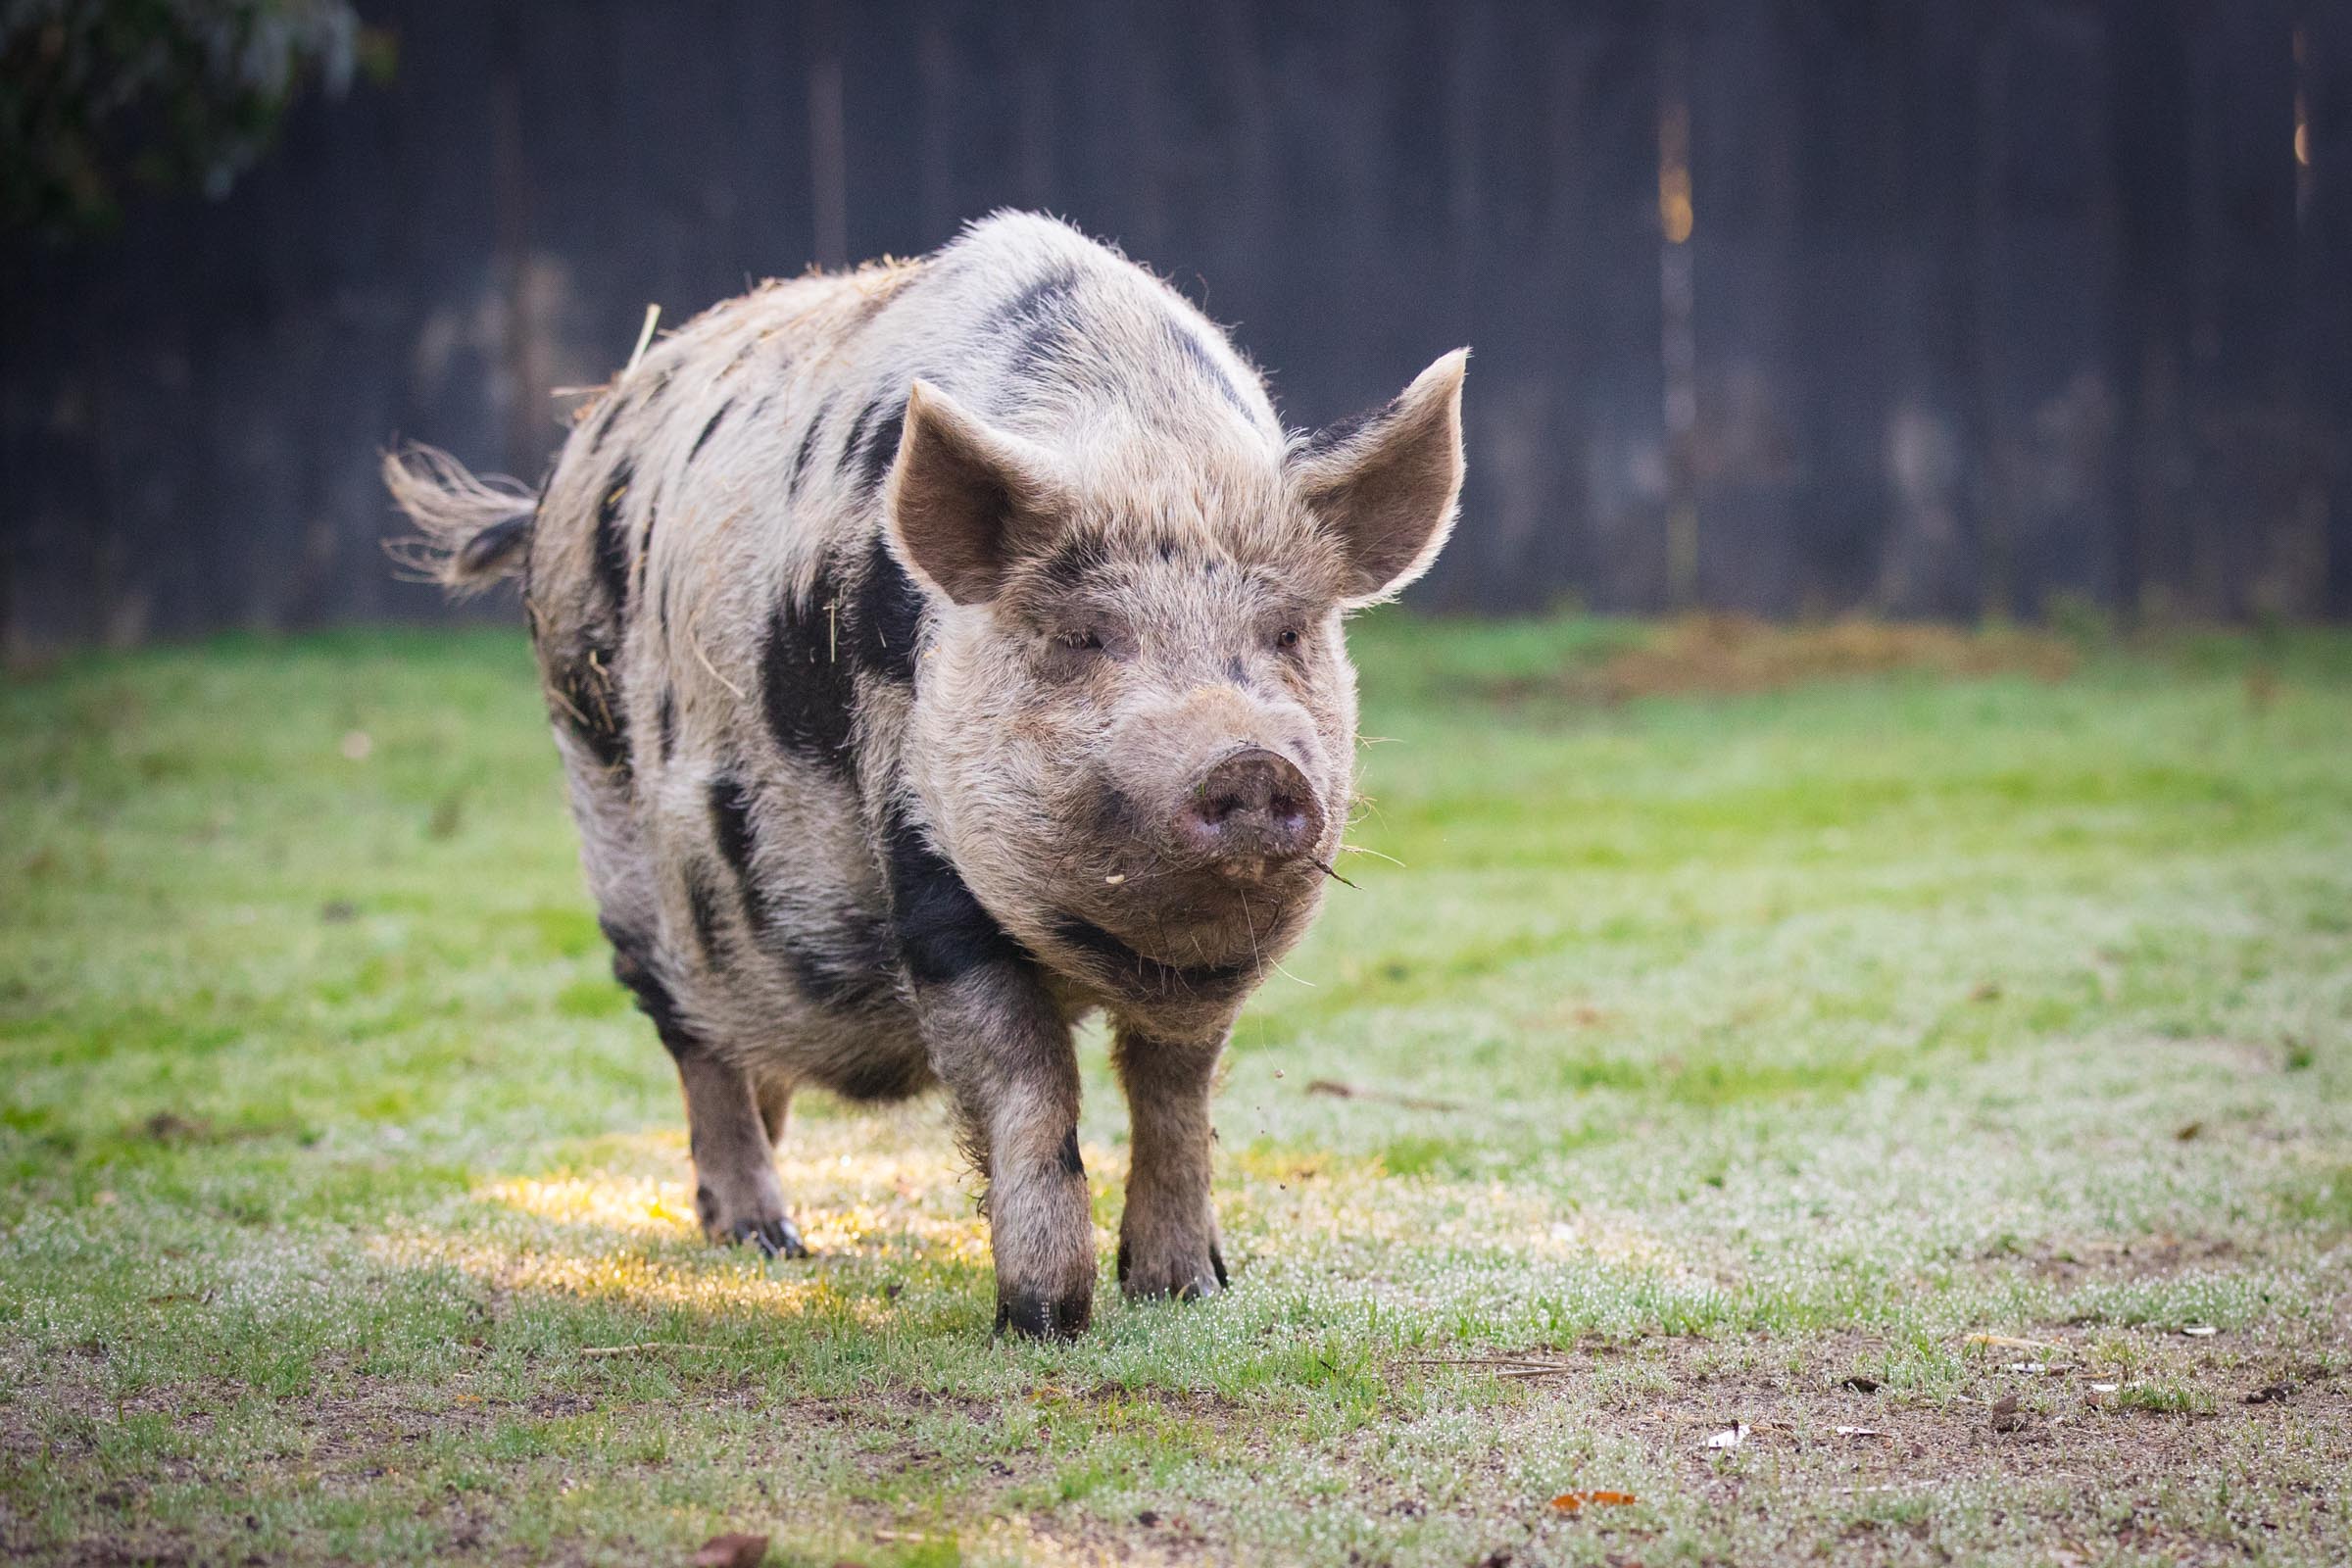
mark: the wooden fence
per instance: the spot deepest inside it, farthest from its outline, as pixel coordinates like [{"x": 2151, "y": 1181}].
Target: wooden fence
[{"x": 1939, "y": 307}]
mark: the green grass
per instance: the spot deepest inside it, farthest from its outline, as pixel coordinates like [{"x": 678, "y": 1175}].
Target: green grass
[{"x": 1720, "y": 1051}]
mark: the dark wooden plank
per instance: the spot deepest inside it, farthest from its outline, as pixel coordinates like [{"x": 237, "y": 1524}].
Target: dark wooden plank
[
  {"x": 2323, "y": 276},
  {"x": 1744, "y": 121},
  {"x": 2044, "y": 254},
  {"x": 2239, "y": 387}
]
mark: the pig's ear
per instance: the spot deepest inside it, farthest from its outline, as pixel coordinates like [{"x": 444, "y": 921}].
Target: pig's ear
[
  {"x": 1386, "y": 486},
  {"x": 963, "y": 500}
]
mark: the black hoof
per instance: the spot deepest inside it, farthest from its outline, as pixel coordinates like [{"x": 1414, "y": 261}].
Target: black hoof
[
  {"x": 1039, "y": 1317},
  {"x": 775, "y": 1238}
]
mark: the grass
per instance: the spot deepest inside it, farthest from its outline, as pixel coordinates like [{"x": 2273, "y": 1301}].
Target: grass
[{"x": 1729, "y": 1054}]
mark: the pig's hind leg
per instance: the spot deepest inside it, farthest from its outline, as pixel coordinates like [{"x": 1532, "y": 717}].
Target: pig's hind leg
[{"x": 732, "y": 1122}]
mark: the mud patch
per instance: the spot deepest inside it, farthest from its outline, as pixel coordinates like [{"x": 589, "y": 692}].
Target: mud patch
[{"x": 1722, "y": 654}]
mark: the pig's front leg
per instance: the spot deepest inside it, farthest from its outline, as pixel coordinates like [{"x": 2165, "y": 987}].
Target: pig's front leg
[
  {"x": 1003, "y": 1049},
  {"x": 1168, "y": 1237}
]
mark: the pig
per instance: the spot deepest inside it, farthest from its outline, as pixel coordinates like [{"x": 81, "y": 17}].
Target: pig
[{"x": 940, "y": 653}]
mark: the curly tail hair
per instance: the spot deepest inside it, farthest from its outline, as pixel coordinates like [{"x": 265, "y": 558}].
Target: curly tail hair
[{"x": 470, "y": 531}]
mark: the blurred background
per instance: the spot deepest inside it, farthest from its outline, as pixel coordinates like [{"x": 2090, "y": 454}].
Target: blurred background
[{"x": 1959, "y": 309}]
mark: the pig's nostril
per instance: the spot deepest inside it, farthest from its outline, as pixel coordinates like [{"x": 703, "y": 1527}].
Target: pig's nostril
[{"x": 1255, "y": 802}]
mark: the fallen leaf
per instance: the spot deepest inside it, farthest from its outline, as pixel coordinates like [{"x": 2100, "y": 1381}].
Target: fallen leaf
[
  {"x": 1578, "y": 1501},
  {"x": 2270, "y": 1394},
  {"x": 1730, "y": 1436},
  {"x": 1858, "y": 1432},
  {"x": 2188, "y": 1131},
  {"x": 2002, "y": 1341},
  {"x": 2200, "y": 1331},
  {"x": 732, "y": 1551},
  {"x": 1860, "y": 1385},
  {"x": 2105, "y": 1388},
  {"x": 1337, "y": 1090},
  {"x": 2005, "y": 1416}
]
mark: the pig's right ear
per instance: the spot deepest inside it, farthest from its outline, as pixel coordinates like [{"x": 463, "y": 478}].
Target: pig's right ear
[{"x": 964, "y": 501}]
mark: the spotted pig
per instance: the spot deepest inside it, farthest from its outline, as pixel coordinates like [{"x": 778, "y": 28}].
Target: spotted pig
[{"x": 940, "y": 653}]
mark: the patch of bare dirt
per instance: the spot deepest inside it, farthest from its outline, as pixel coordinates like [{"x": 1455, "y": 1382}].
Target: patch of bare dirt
[
  {"x": 1730, "y": 655},
  {"x": 1776, "y": 1446}
]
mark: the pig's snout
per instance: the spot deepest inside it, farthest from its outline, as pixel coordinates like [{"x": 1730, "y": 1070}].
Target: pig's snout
[{"x": 1251, "y": 808}]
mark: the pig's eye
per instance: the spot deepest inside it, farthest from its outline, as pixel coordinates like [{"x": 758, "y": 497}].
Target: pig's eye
[
  {"x": 1079, "y": 641},
  {"x": 1287, "y": 639}
]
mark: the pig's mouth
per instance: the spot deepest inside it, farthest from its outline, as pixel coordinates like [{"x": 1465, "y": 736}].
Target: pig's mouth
[
  {"x": 1203, "y": 934},
  {"x": 1203, "y": 918}
]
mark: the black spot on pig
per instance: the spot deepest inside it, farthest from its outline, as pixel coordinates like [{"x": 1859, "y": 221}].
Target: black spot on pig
[
  {"x": 881, "y": 448},
  {"x": 1075, "y": 560},
  {"x": 1195, "y": 354},
  {"x": 585, "y": 700},
  {"x": 710, "y": 428},
  {"x": 731, "y": 829},
  {"x": 857, "y": 427},
  {"x": 1036, "y": 320},
  {"x": 888, "y": 616},
  {"x": 611, "y": 537},
  {"x": 806, "y": 690},
  {"x": 613, "y": 404},
  {"x": 701, "y": 903},
  {"x": 808, "y": 447},
  {"x": 943, "y": 932},
  {"x": 633, "y": 967},
  {"x": 846, "y": 962}
]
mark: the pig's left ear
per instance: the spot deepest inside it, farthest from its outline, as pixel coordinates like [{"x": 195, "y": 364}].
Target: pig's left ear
[{"x": 1386, "y": 487}]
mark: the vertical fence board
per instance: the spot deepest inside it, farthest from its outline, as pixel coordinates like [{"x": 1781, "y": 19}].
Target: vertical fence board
[{"x": 2323, "y": 299}]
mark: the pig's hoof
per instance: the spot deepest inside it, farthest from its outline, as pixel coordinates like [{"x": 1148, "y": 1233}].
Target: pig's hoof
[
  {"x": 775, "y": 1238},
  {"x": 1183, "y": 1278},
  {"x": 1037, "y": 1316}
]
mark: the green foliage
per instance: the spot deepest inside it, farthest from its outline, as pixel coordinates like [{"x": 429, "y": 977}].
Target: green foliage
[{"x": 101, "y": 98}]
